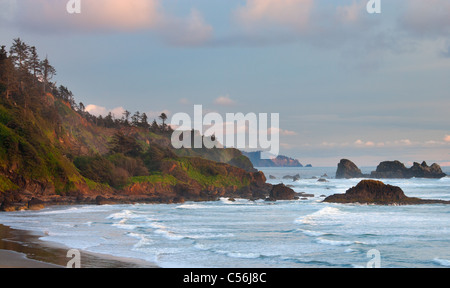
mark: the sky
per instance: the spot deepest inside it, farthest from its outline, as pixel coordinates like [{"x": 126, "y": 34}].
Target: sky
[{"x": 346, "y": 83}]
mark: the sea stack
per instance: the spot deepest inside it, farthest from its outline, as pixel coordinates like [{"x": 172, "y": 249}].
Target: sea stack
[
  {"x": 347, "y": 170},
  {"x": 378, "y": 193},
  {"x": 396, "y": 169}
]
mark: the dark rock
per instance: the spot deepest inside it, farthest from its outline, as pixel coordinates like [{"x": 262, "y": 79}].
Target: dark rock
[
  {"x": 376, "y": 192},
  {"x": 272, "y": 177},
  {"x": 100, "y": 200},
  {"x": 396, "y": 169},
  {"x": 347, "y": 170},
  {"x": 303, "y": 194},
  {"x": 322, "y": 180},
  {"x": 281, "y": 192},
  {"x": 35, "y": 204},
  {"x": 293, "y": 177}
]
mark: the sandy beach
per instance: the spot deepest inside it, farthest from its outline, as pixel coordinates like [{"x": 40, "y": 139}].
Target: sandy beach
[{"x": 21, "y": 249}]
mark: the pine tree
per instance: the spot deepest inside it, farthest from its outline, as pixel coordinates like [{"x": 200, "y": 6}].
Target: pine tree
[
  {"x": 48, "y": 71},
  {"x": 35, "y": 63}
]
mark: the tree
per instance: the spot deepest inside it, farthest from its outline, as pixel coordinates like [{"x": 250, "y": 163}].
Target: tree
[
  {"x": 154, "y": 127},
  {"x": 136, "y": 118},
  {"x": 82, "y": 107},
  {"x": 163, "y": 117},
  {"x": 48, "y": 72},
  {"x": 7, "y": 73},
  {"x": 35, "y": 63},
  {"x": 144, "y": 121},
  {"x": 19, "y": 54},
  {"x": 125, "y": 145},
  {"x": 126, "y": 114}
]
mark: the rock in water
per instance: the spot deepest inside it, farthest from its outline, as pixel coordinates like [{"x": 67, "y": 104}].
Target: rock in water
[
  {"x": 347, "y": 170},
  {"x": 396, "y": 169},
  {"x": 376, "y": 192},
  {"x": 281, "y": 192}
]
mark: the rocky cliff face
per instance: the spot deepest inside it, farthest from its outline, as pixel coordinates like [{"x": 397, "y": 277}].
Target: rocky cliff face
[{"x": 376, "y": 192}]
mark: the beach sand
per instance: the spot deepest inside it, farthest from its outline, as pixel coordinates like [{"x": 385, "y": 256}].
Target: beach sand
[{"x": 22, "y": 249}]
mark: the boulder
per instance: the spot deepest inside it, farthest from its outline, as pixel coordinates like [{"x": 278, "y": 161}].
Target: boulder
[
  {"x": 376, "y": 192},
  {"x": 347, "y": 170},
  {"x": 35, "y": 204},
  {"x": 282, "y": 192}
]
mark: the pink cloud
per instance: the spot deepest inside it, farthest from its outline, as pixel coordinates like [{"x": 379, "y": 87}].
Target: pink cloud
[
  {"x": 224, "y": 101},
  {"x": 292, "y": 13},
  {"x": 429, "y": 17},
  {"x": 51, "y": 16},
  {"x": 447, "y": 138}
]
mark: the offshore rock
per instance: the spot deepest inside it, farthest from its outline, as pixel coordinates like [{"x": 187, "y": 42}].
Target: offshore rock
[{"x": 378, "y": 193}]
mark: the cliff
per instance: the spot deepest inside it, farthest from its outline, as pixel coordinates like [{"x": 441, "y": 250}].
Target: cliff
[
  {"x": 52, "y": 151},
  {"x": 279, "y": 161}
]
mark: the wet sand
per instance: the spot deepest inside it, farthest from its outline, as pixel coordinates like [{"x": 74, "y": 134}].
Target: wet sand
[{"x": 22, "y": 249}]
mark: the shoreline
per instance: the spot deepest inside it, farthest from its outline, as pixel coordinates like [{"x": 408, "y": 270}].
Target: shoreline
[{"x": 24, "y": 249}]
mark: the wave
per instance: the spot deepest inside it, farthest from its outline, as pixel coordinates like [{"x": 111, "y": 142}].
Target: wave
[
  {"x": 192, "y": 206},
  {"x": 312, "y": 233},
  {"x": 334, "y": 242},
  {"x": 327, "y": 212},
  {"x": 143, "y": 240},
  {"x": 442, "y": 262}
]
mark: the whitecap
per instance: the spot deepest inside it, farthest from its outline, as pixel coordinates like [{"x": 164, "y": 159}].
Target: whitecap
[
  {"x": 327, "y": 212},
  {"x": 191, "y": 206},
  {"x": 442, "y": 262},
  {"x": 333, "y": 242}
]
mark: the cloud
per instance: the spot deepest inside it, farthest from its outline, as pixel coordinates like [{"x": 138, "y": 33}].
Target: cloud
[
  {"x": 184, "y": 101},
  {"x": 51, "y": 16},
  {"x": 426, "y": 18},
  {"x": 447, "y": 138},
  {"x": 291, "y": 13},
  {"x": 224, "y": 101},
  {"x": 185, "y": 32},
  {"x": 281, "y": 132},
  {"x": 103, "y": 111}
]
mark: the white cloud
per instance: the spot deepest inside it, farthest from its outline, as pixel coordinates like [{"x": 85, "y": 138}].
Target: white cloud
[
  {"x": 224, "y": 101},
  {"x": 282, "y": 132}
]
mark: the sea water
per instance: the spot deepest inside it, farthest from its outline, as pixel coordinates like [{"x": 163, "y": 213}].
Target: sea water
[{"x": 243, "y": 233}]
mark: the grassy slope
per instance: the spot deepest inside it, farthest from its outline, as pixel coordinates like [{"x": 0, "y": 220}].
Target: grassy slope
[{"x": 40, "y": 147}]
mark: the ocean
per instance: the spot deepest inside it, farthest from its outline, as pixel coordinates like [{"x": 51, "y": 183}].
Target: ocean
[{"x": 259, "y": 234}]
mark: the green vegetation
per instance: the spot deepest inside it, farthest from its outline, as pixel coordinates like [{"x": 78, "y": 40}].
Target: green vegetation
[{"x": 50, "y": 141}]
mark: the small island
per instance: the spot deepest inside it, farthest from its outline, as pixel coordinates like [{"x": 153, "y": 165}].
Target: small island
[
  {"x": 378, "y": 193},
  {"x": 390, "y": 170}
]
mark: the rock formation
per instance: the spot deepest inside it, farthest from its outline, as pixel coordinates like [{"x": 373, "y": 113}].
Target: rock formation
[
  {"x": 282, "y": 192},
  {"x": 376, "y": 192},
  {"x": 396, "y": 169},
  {"x": 347, "y": 169}
]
